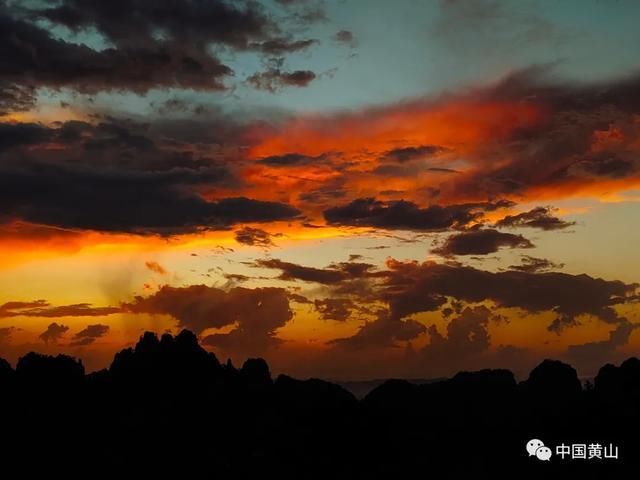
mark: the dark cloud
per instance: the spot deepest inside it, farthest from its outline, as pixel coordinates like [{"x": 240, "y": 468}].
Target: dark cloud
[
  {"x": 117, "y": 175},
  {"x": 354, "y": 269},
  {"x": 108, "y": 135},
  {"x": 289, "y": 160},
  {"x": 19, "y": 134},
  {"x": 467, "y": 336},
  {"x": 5, "y": 334},
  {"x": 274, "y": 79},
  {"x": 539, "y": 217},
  {"x": 199, "y": 307},
  {"x": 175, "y": 105},
  {"x": 407, "y": 169},
  {"x": 148, "y": 45},
  {"x": 347, "y": 37},
  {"x": 607, "y": 165},
  {"x": 297, "y": 298},
  {"x": 15, "y": 98},
  {"x": 254, "y": 237},
  {"x": 480, "y": 242},
  {"x": 76, "y": 310},
  {"x": 280, "y": 46},
  {"x": 406, "y": 154},
  {"x": 214, "y": 129},
  {"x": 221, "y": 250},
  {"x": 188, "y": 26},
  {"x": 109, "y": 142},
  {"x": 155, "y": 267},
  {"x": 254, "y": 313},
  {"x": 121, "y": 144},
  {"x": 8, "y": 309},
  {"x": 536, "y": 265},
  {"x": 107, "y": 199},
  {"x": 411, "y": 287},
  {"x": 589, "y": 133},
  {"x": 292, "y": 271},
  {"x": 235, "y": 278},
  {"x": 404, "y": 215},
  {"x": 382, "y": 332},
  {"x": 53, "y": 333},
  {"x": 334, "y": 274},
  {"x": 96, "y": 331},
  {"x": 594, "y": 353},
  {"x": 561, "y": 323},
  {"x": 326, "y": 194},
  {"x": 83, "y": 342},
  {"x": 32, "y": 57},
  {"x": 393, "y": 170},
  {"x": 338, "y": 309},
  {"x": 309, "y": 13},
  {"x": 89, "y": 335},
  {"x": 41, "y": 308}
]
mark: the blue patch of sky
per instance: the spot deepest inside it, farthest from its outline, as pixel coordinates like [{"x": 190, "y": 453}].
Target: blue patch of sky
[{"x": 407, "y": 49}]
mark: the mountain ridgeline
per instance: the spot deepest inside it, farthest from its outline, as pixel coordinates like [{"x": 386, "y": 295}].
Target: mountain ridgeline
[{"x": 168, "y": 406}]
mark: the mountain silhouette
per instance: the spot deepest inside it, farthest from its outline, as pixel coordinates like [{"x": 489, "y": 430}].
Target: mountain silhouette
[{"x": 169, "y": 407}]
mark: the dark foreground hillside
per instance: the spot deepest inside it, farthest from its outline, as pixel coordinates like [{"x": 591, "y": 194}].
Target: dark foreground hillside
[{"x": 168, "y": 408}]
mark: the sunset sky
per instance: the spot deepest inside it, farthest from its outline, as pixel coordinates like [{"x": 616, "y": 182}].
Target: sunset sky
[{"x": 351, "y": 189}]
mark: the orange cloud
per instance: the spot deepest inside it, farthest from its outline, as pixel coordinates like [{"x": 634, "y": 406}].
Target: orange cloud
[
  {"x": 520, "y": 138},
  {"x": 458, "y": 124}
]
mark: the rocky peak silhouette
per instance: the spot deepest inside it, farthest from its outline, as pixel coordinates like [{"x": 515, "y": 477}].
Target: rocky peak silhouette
[
  {"x": 256, "y": 374},
  {"x": 6, "y": 372},
  {"x": 167, "y": 404},
  {"x": 47, "y": 369},
  {"x": 623, "y": 381},
  {"x": 553, "y": 380}
]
